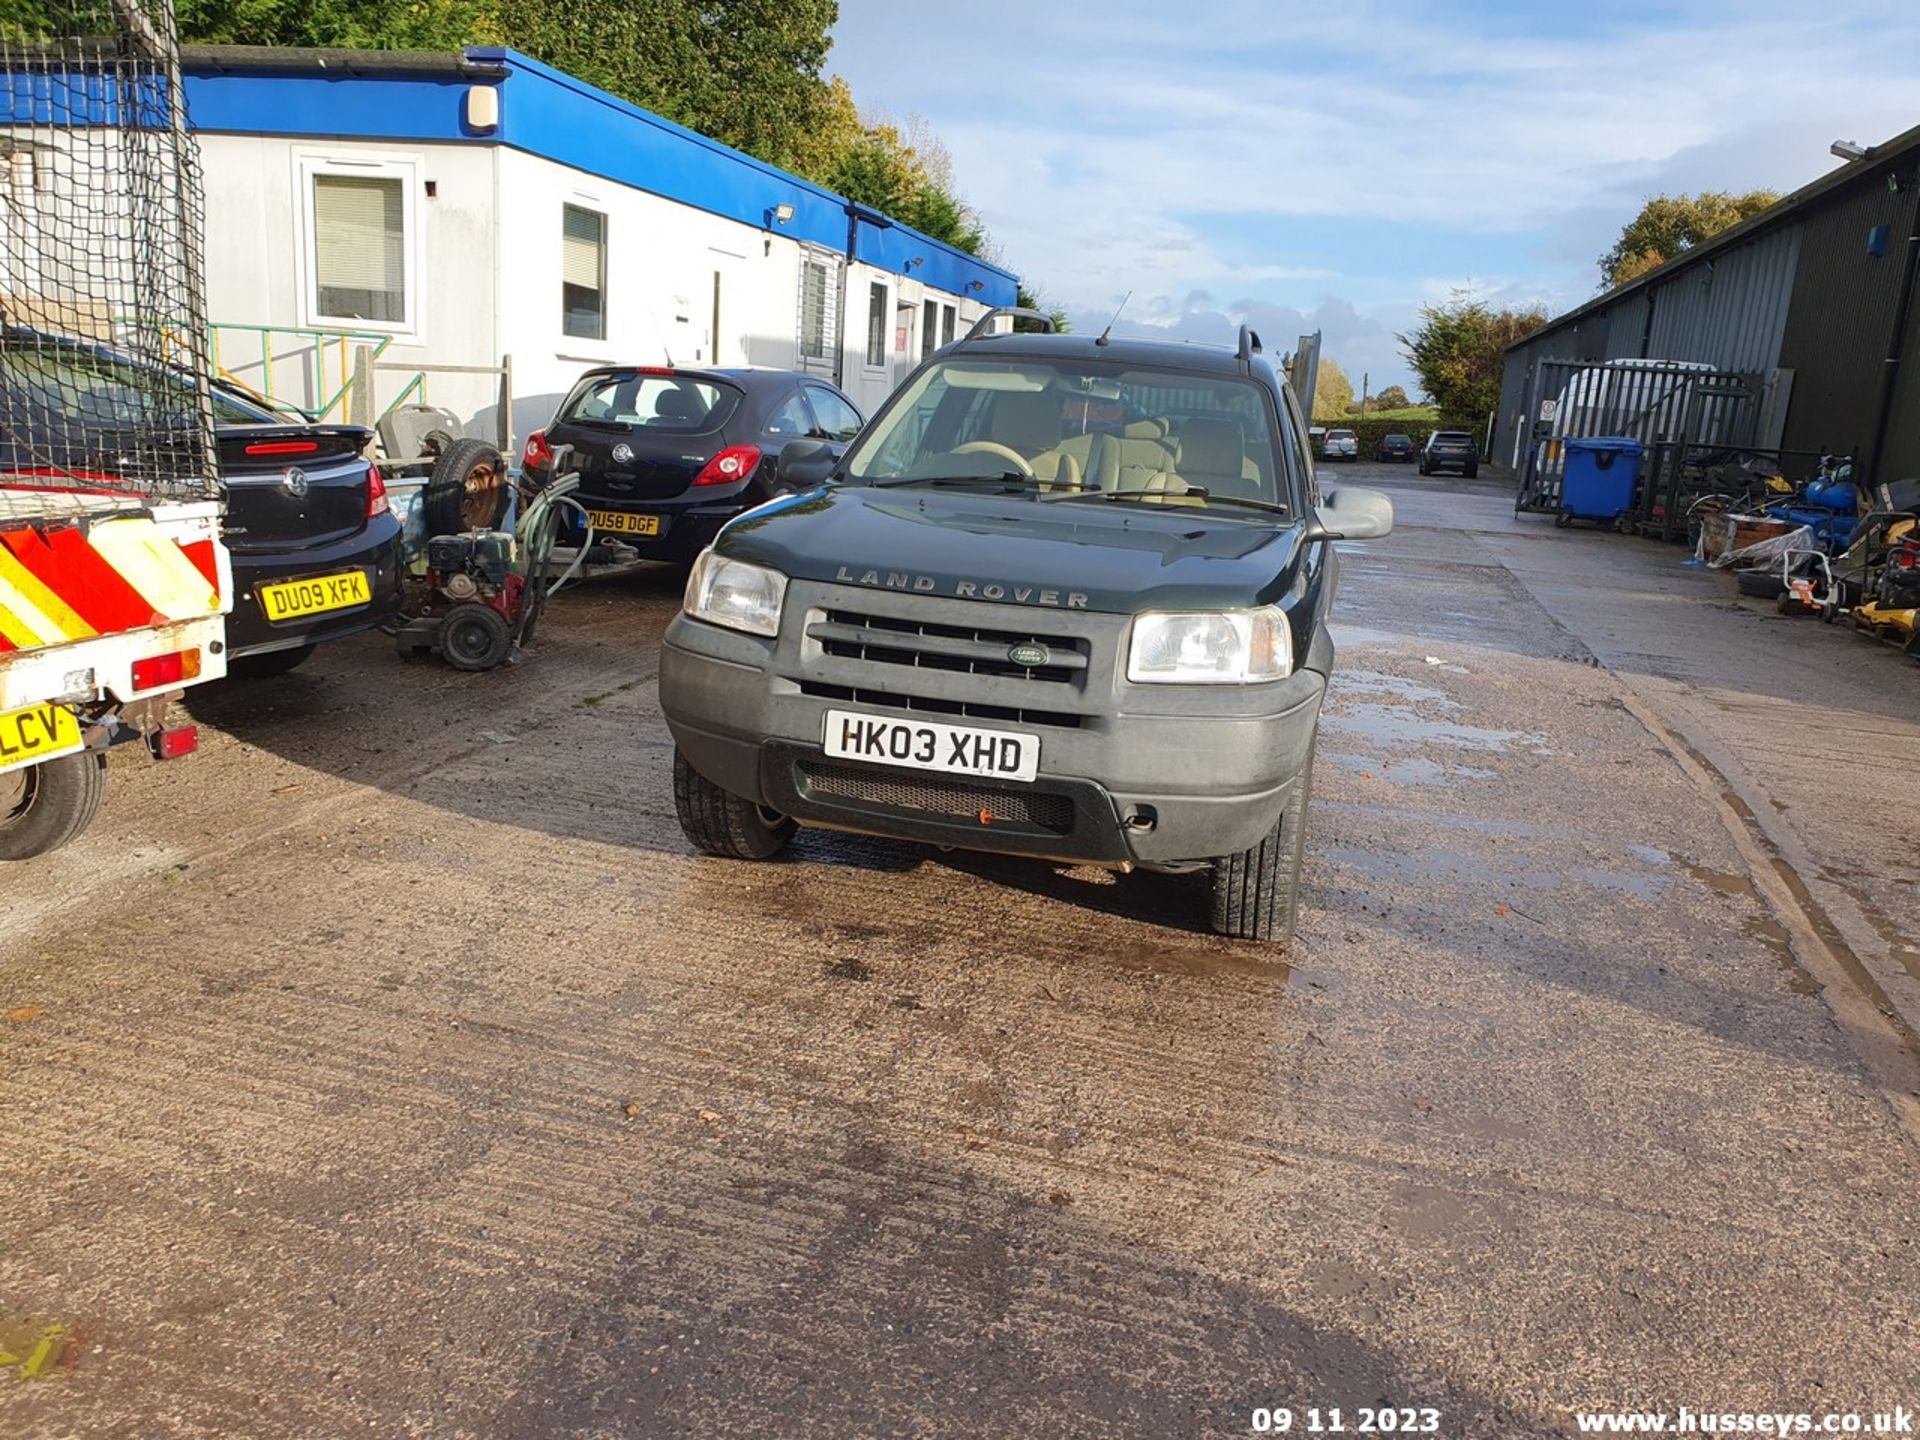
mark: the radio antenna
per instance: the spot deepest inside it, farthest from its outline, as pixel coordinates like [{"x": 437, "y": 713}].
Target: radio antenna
[{"x": 1116, "y": 315}]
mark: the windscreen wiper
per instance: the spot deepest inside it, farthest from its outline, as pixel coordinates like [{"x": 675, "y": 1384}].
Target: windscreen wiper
[
  {"x": 1162, "y": 497},
  {"x": 1012, "y": 481}
]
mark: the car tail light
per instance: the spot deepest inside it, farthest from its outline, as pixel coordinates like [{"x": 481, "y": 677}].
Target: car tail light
[
  {"x": 735, "y": 463},
  {"x": 172, "y": 744},
  {"x": 539, "y": 454},
  {"x": 170, "y": 669},
  {"x": 283, "y": 447},
  {"x": 656, "y": 370},
  {"x": 376, "y": 492}
]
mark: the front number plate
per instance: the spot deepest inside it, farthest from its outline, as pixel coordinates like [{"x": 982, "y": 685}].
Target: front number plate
[
  {"x": 928, "y": 745},
  {"x": 39, "y": 732},
  {"x": 290, "y": 599}
]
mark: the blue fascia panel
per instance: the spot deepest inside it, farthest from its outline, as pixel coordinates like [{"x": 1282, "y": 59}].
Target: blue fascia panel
[
  {"x": 354, "y": 107},
  {"x": 905, "y": 251}
]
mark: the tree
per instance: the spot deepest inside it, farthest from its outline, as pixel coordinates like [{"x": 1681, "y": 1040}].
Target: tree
[
  {"x": 1394, "y": 397},
  {"x": 746, "y": 72},
  {"x": 1028, "y": 299},
  {"x": 1668, "y": 225},
  {"x": 1458, "y": 351},
  {"x": 1332, "y": 390}
]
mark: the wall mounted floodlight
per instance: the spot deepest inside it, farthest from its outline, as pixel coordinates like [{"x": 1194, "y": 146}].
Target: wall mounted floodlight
[
  {"x": 780, "y": 214},
  {"x": 1850, "y": 149},
  {"x": 976, "y": 285}
]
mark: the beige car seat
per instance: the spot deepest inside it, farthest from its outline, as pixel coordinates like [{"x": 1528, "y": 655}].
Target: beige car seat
[
  {"x": 1213, "y": 455},
  {"x": 1142, "y": 458}
]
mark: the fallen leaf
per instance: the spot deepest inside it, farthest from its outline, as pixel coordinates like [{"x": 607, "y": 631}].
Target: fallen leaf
[
  {"x": 712, "y": 1117},
  {"x": 25, "y": 1012},
  {"x": 1059, "y": 1197},
  {"x": 631, "y": 1109},
  {"x": 1499, "y": 909},
  {"x": 287, "y": 789}
]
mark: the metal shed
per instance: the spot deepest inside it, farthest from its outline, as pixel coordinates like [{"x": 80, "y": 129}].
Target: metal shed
[{"x": 1814, "y": 297}]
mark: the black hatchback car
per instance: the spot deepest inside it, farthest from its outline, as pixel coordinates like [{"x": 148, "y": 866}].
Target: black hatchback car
[
  {"x": 1394, "y": 448},
  {"x": 315, "y": 549},
  {"x": 667, "y": 456},
  {"x": 1450, "y": 450}
]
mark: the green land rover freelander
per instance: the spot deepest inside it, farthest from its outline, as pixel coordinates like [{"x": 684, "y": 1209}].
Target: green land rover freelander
[{"x": 1064, "y": 597}]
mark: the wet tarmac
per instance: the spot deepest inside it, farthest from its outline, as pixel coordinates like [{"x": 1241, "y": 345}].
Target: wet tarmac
[{"x": 392, "y": 1068}]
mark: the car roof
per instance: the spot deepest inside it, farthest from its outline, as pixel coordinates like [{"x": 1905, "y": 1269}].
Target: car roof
[
  {"x": 1119, "y": 349},
  {"x": 744, "y": 377}
]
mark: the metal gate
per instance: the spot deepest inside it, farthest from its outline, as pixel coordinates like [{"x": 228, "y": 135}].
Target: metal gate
[{"x": 1657, "y": 402}]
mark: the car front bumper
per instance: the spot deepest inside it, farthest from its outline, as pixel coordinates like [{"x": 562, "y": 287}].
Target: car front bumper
[
  {"x": 1149, "y": 775},
  {"x": 375, "y": 549}
]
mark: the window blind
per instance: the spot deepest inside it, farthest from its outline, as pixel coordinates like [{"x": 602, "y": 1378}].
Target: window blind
[{"x": 359, "y": 246}]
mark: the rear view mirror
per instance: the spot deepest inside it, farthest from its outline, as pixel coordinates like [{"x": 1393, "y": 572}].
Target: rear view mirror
[
  {"x": 806, "y": 463},
  {"x": 1353, "y": 512}
]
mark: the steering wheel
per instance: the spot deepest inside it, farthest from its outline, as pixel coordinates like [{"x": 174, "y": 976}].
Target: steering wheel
[{"x": 994, "y": 447}]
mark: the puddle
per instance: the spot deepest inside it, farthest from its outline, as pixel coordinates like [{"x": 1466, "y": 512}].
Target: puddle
[
  {"x": 1395, "y": 726},
  {"x": 1719, "y": 881},
  {"x": 1774, "y": 936},
  {"x": 1652, "y": 854},
  {"x": 1378, "y": 682}
]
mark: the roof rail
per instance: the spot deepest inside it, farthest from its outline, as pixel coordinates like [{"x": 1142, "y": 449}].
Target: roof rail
[
  {"x": 981, "y": 325},
  {"x": 1249, "y": 346}
]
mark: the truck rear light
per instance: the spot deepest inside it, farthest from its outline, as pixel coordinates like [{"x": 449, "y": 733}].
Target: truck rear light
[
  {"x": 539, "y": 454},
  {"x": 376, "y": 492},
  {"x": 172, "y": 744},
  {"x": 732, "y": 464},
  {"x": 158, "y": 670}
]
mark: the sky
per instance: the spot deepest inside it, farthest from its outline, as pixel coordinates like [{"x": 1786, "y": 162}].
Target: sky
[{"x": 1337, "y": 167}]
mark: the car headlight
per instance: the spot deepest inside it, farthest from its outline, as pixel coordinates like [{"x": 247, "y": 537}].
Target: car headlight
[
  {"x": 735, "y": 594},
  {"x": 1213, "y": 647}
]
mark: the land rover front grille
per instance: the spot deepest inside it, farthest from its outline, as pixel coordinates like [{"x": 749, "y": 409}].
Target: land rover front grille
[
  {"x": 939, "y": 796},
  {"x": 965, "y": 649}
]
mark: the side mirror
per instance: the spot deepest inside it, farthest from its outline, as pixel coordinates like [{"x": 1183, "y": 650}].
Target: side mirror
[
  {"x": 1353, "y": 512},
  {"x": 806, "y": 463}
]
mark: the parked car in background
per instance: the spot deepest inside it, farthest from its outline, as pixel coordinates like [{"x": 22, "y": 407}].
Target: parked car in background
[
  {"x": 315, "y": 549},
  {"x": 1340, "y": 445},
  {"x": 667, "y": 456},
  {"x": 1394, "y": 448},
  {"x": 1450, "y": 450}
]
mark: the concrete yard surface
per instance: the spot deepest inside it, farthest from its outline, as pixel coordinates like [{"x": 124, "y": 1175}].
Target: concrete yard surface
[{"x": 391, "y": 1067}]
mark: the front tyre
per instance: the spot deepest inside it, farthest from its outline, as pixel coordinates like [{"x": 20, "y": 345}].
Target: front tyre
[
  {"x": 44, "y": 806},
  {"x": 718, "y": 822},
  {"x": 1256, "y": 894}
]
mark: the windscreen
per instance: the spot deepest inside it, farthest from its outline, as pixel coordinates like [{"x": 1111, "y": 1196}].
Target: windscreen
[
  {"x": 644, "y": 400},
  {"x": 1078, "y": 426}
]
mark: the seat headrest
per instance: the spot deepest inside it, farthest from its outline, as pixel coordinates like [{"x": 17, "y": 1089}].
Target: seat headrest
[
  {"x": 673, "y": 405},
  {"x": 1025, "y": 420},
  {"x": 1211, "y": 447},
  {"x": 1145, "y": 430}
]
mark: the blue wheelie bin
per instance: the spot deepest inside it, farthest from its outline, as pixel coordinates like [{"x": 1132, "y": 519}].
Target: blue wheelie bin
[{"x": 1598, "y": 483}]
